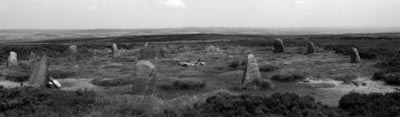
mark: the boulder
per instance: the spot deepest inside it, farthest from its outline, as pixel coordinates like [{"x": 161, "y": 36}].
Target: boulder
[
  {"x": 144, "y": 69},
  {"x": 278, "y": 46}
]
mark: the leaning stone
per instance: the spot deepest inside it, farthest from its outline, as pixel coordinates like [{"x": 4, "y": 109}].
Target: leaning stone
[
  {"x": 114, "y": 50},
  {"x": 310, "y": 48},
  {"x": 355, "y": 57},
  {"x": 40, "y": 76}
]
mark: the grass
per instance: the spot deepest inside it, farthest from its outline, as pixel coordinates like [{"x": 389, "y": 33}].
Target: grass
[
  {"x": 325, "y": 65},
  {"x": 45, "y": 102}
]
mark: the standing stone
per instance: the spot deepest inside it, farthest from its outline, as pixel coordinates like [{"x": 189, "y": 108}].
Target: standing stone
[
  {"x": 32, "y": 57},
  {"x": 278, "y": 46},
  {"x": 73, "y": 52},
  {"x": 12, "y": 59},
  {"x": 310, "y": 48},
  {"x": 212, "y": 49},
  {"x": 355, "y": 57},
  {"x": 40, "y": 76},
  {"x": 146, "y": 44},
  {"x": 114, "y": 50},
  {"x": 146, "y": 70},
  {"x": 252, "y": 71},
  {"x": 252, "y": 77},
  {"x": 151, "y": 52}
]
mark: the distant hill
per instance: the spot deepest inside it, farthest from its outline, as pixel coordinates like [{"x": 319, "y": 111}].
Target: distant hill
[{"x": 36, "y": 35}]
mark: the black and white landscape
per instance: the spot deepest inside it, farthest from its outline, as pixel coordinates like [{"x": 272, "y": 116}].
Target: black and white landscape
[{"x": 295, "y": 58}]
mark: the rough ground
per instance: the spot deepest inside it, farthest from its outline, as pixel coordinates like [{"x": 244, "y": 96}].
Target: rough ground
[{"x": 320, "y": 69}]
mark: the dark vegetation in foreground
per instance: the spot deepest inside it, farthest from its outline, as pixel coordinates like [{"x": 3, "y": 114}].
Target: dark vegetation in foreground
[{"x": 46, "y": 102}]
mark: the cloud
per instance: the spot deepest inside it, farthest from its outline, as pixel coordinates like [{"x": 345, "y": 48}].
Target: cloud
[
  {"x": 91, "y": 8},
  {"x": 175, "y": 3},
  {"x": 305, "y": 4}
]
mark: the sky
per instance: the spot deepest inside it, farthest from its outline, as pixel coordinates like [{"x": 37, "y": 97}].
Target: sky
[{"x": 135, "y": 14}]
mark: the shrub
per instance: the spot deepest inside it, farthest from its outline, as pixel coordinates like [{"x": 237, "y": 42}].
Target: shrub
[
  {"x": 258, "y": 84},
  {"x": 234, "y": 64},
  {"x": 59, "y": 74},
  {"x": 268, "y": 68},
  {"x": 44, "y": 102},
  {"x": 17, "y": 77},
  {"x": 251, "y": 105},
  {"x": 393, "y": 79},
  {"x": 388, "y": 77},
  {"x": 379, "y": 75},
  {"x": 289, "y": 77},
  {"x": 189, "y": 83},
  {"x": 128, "y": 105},
  {"x": 373, "y": 104},
  {"x": 190, "y": 73},
  {"x": 182, "y": 84},
  {"x": 112, "y": 82}
]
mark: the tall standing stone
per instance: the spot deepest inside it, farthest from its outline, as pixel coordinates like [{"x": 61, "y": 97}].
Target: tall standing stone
[
  {"x": 354, "y": 56},
  {"x": 73, "y": 52},
  {"x": 146, "y": 70},
  {"x": 252, "y": 71},
  {"x": 114, "y": 50},
  {"x": 310, "y": 48},
  {"x": 12, "y": 59},
  {"x": 146, "y": 44},
  {"x": 40, "y": 76},
  {"x": 252, "y": 77},
  {"x": 278, "y": 46}
]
